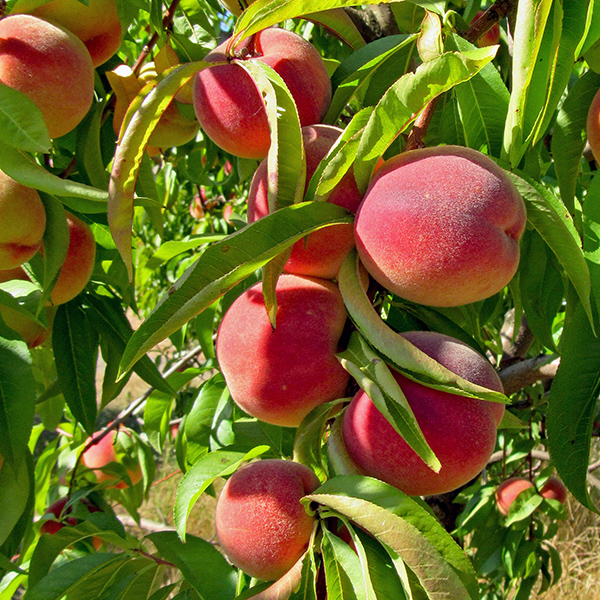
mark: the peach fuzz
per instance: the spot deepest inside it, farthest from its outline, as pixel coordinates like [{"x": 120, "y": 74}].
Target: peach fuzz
[
  {"x": 111, "y": 449},
  {"x": 22, "y": 222},
  {"x": 460, "y": 430},
  {"x": 96, "y": 25},
  {"x": 229, "y": 106},
  {"x": 441, "y": 226},
  {"x": 279, "y": 375},
  {"x": 78, "y": 265},
  {"x": 322, "y": 252},
  {"x": 593, "y": 126},
  {"x": 554, "y": 489},
  {"x": 261, "y": 525},
  {"x": 507, "y": 492},
  {"x": 50, "y": 66}
]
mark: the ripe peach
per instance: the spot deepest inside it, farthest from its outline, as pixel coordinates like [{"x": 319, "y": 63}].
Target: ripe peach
[
  {"x": 113, "y": 448},
  {"x": 322, "y": 252},
  {"x": 554, "y": 489},
  {"x": 22, "y": 222},
  {"x": 51, "y": 66},
  {"x": 230, "y": 108},
  {"x": 507, "y": 492},
  {"x": 96, "y": 25},
  {"x": 460, "y": 430},
  {"x": 279, "y": 375},
  {"x": 78, "y": 265},
  {"x": 441, "y": 226},
  {"x": 490, "y": 37},
  {"x": 593, "y": 126},
  {"x": 261, "y": 524}
]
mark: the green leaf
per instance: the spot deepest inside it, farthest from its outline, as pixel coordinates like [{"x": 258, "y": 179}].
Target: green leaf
[
  {"x": 88, "y": 150},
  {"x": 553, "y": 222},
  {"x": 569, "y": 135},
  {"x": 17, "y": 400},
  {"x": 66, "y": 577},
  {"x": 22, "y": 168},
  {"x": 202, "y": 565},
  {"x": 21, "y": 122},
  {"x": 482, "y": 103},
  {"x": 224, "y": 264},
  {"x": 408, "y": 529},
  {"x": 339, "y": 22},
  {"x": 110, "y": 321},
  {"x": 264, "y": 13},
  {"x": 173, "y": 248},
  {"x": 400, "y": 105},
  {"x": 141, "y": 118},
  {"x": 309, "y": 436},
  {"x": 572, "y": 405},
  {"x": 395, "y": 349},
  {"x": 286, "y": 166},
  {"x": 523, "y": 506},
  {"x": 14, "y": 494},
  {"x": 75, "y": 345},
  {"x": 361, "y": 66},
  {"x": 527, "y": 102},
  {"x": 201, "y": 475},
  {"x": 375, "y": 378},
  {"x": 343, "y": 572}
]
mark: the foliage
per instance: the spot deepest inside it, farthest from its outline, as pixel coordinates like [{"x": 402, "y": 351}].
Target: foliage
[{"x": 524, "y": 103}]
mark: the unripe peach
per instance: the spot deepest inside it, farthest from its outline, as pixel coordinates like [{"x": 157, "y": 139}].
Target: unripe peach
[
  {"x": 96, "y": 25},
  {"x": 279, "y": 375},
  {"x": 461, "y": 431},
  {"x": 261, "y": 524},
  {"x": 51, "y": 66},
  {"x": 229, "y": 106},
  {"x": 507, "y": 492},
  {"x": 322, "y": 252},
  {"x": 78, "y": 265},
  {"x": 441, "y": 226},
  {"x": 22, "y": 222},
  {"x": 113, "y": 448},
  {"x": 554, "y": 489}
]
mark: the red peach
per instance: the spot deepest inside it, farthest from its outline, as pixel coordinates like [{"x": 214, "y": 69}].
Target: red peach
[
  {"x": 105, "y": 452},
  {"x": 261, "y": 524},
  {"x": 51, "y": 66},
  {"x": 441, "y": 226},
  {"x": 490, "y": 37},
  {"x": 97, "y": 25},
  {"x": 322, "y": 252},
  {"x": 593, "y": 126},
  {"x": 461, "y": 431},
  {"x": 79, "y": 262},
  {"x": 279, "y": 375},
  {"x": 554, "y": 489},
  {"x": 507, "y": 492},
  {"x": 22, "y": 222},
  {"x": 230, "y": 108}
]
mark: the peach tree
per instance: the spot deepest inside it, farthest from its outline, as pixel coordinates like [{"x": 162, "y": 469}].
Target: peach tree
[{"x": 364, "y": 239}]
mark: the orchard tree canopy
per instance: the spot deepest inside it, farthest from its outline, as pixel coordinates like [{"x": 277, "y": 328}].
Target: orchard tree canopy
[{"x": 365, "y": 239}]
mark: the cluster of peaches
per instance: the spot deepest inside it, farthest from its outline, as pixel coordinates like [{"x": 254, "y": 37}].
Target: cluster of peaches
[
  {"x": 49, "y": 54},
  {"x": 436, "y": 226}
]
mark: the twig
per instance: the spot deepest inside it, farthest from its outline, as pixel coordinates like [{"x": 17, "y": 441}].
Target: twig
[{"x": 520, "y": 375}]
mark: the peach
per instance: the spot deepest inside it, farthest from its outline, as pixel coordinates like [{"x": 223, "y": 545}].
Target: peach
[
  {"x": 441, "y": 226},
  {"x": 96, "y": 25},
  {"x": 490, "y": 37},
  {"x": 322, "y": 252},
  {"x": 279, "y": 375},
  {"x": 593, "y": 126},
  {"x": 229, "y": 106},
  {"x": 50, "y": 66},
  {"x": 507, "y": 492},
  {"x": 460, "y": 430},
  {"x": 1, "y": 461},
  {"x": 22, "y": 222},
  {"x": 261, "y": 525},
  {"x": 113, "y": 448},
  {"x": 554, "y": 489},
  {"x": 78, "y": 265}
]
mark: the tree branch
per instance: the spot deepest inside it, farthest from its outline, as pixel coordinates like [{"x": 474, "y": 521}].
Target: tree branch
[{"x": 527, "y": 372}]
